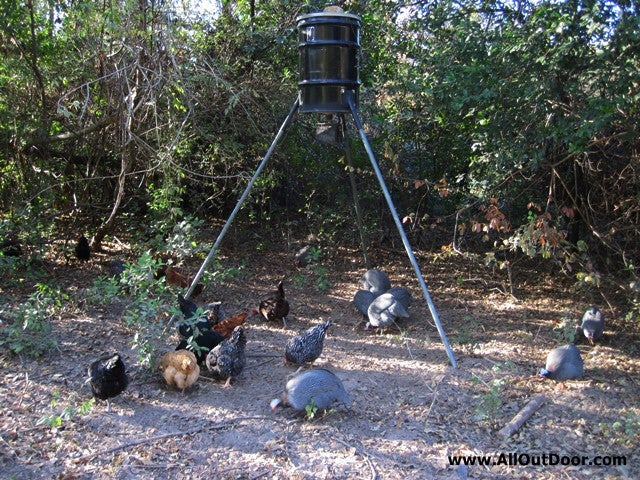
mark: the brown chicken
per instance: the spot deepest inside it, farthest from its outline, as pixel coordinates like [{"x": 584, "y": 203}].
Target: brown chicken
[
  {"x": 177, "y": 279},
  {"x": 226, "y": 327},
  {"x": 276, "y": 306},
  {"x": 180, "y": 369}
]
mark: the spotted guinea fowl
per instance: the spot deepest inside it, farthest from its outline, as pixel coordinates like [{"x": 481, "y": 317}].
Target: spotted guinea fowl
[
  {"x": 402, "y": 295},
  {"x": 318, "y": 387},
  {"x": 384, "y": 310},
  {"x": 276, "y": 306},
  {"x": 563, "y": 363},
  {"x": 227, "y": 360},
  {"x": 307, "y": 347},
  {"x": 362, "y": 299},
  {"x": 592, "y": 325},
  {"x": 375, "y": 281},
  {"x": 108, "y": 377}
]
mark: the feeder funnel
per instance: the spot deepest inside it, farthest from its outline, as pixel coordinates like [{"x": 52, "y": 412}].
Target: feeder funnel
[{"x": 329, "y": 46}]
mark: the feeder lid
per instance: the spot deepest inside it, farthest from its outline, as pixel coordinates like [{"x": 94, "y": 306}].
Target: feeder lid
[{"x": 330, "y": 11}]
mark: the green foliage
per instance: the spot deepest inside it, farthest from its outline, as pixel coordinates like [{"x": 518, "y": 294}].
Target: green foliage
[
  {"x": 57, "y": 418},
  {"x": 311, "y": 411},
  {"x": 29, "y": 331},
  {"x": 490, "y": 402},
  {"x": 625, "y": 431},
  {"x": 565, "y": 330}
]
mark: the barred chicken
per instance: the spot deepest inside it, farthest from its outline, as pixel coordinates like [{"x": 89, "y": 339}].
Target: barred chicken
[
  {"x": 108, "y": 377},
  {"x": 307, "y": 347},
  {"x": 180, "y": 369},
  {"x": 276, "y": 306},
  {"x": 318, "y": 388},
  {"x": 227, "y": 360}
]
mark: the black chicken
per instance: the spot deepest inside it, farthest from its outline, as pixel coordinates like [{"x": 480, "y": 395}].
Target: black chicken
[
  {"x": 307, "y": 347},
  {"x": 108, "y": 377},
  {"x": 211, "y": 316},
  {"x": 201, "y": 343},
  {"x": 276, "y": 307},
  {"x": 228, "y": 359},
  {"x": 83, "y": 250}
]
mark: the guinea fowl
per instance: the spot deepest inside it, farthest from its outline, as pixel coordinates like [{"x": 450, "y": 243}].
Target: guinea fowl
[
  {"x": 83, "y": 250},
  {"x": 228, "y": 359},
  {"x": 276, "y": 306},
  {"x": 362, "y": 299},
  {"x": 317, "y": 387},
  {"x": 108, "y": 377},
  {"x": 307, "y": 347},
  {"x": 384, "y": 310},
  {"x": 563, "y": 363},
  {"x": 375, "y": 281},
  {"x": 402, "y": 295},
  {"x": 592, "y": 325}
]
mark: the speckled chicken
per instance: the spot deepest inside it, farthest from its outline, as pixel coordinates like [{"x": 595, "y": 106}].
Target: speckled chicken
[
  {"x": 306, "y": 347},
  {"x": 108, "y": 377},
  {"x": 227, "y": 360},
  {"x": 563, "y": 363},
  {"x": 317, "y": 387},
  {"x": 179, "y": 369},
  {"x": 592, "y": 326},
  {"x": 384, "y": 310},
  {"x": 276, "y": 306},
  {"x": 375, "y": 281}
]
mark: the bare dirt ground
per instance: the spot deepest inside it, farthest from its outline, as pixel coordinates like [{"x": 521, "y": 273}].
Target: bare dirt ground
[{"x": 410, "y": 411}]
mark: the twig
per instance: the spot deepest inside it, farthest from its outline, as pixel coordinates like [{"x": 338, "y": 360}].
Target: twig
[
  {"x": 124, "y": 446},
  {"x": 522, "y": 416}
]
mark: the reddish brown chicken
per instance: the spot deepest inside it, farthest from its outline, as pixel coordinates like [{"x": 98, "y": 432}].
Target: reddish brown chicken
[
  {"x": 275, "y": 307},
  {"x": 226, "y": 327},
  {"x": 177, "y": 279}
]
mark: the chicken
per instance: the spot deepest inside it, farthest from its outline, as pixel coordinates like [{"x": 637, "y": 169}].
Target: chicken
[
  {"x": 212, "y": 314},
  {"x": 317, "y": 388},
  {"x": 563, "y": 363},
  {"x": 384, "y": 310},
  {"x": 201, "y": 344},
  {"x": 306, "y": 347},
  {"x": 83, "y": 250},
  {"x": 228, "y": 325},
  {"x": 375, "y": 281},
  {"x": 108, "y": 377},
  {"x": 228, "y": 359},
  {"x": 177, "y": 279},
  {"x": 592, "y": 325},
  {"x": 275, "y": 307},
  {"x": 180, "y": 369}
]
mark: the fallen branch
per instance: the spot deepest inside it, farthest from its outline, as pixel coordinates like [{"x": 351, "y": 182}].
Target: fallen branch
[
  {"x": 522, "y": 416},
  {"x": 124, "y": 446}
]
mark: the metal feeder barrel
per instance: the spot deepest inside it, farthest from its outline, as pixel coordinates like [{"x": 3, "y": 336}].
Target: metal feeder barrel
[{"x": 329, "y": 46}]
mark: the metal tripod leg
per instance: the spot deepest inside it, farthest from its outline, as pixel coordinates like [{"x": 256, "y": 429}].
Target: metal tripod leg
[
  {"x": 243, "y": 197},
  {"x": 403, "y": 235}
]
